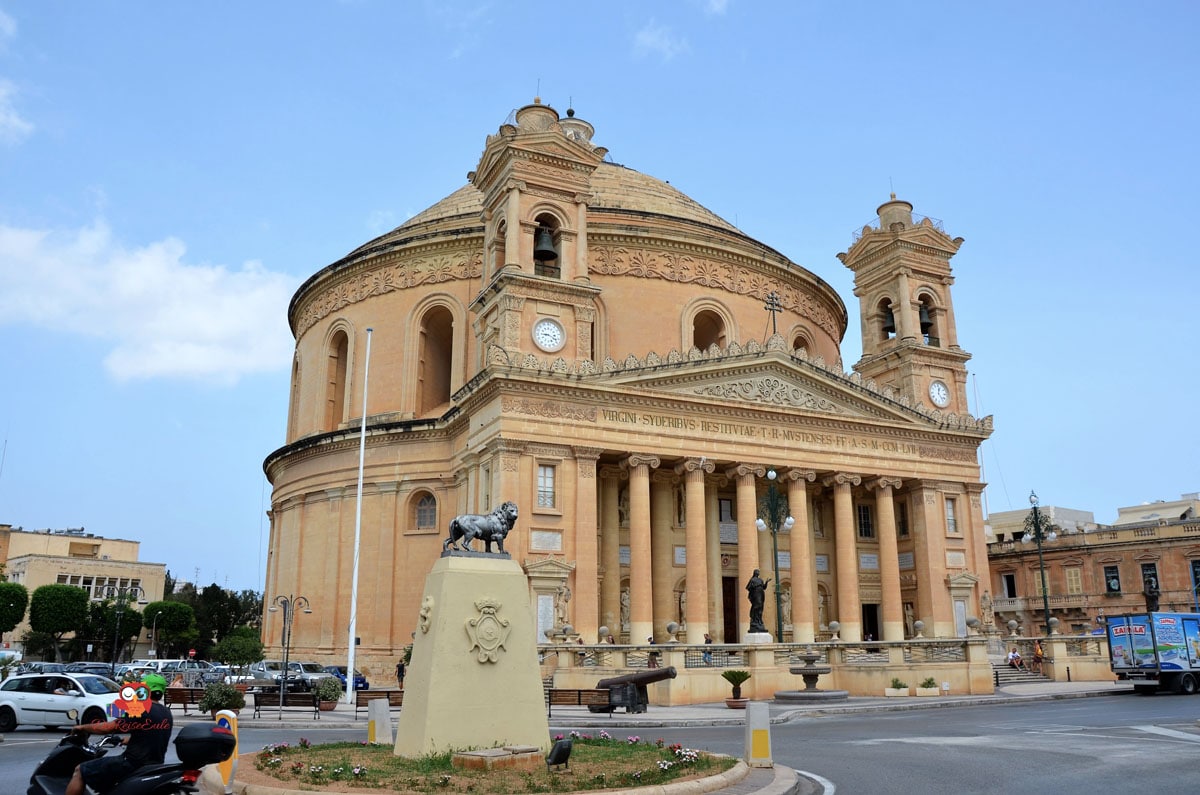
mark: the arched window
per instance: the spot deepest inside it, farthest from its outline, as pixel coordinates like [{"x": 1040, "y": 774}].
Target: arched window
[
  {"x": 885, "y": 320},
  {"x": 426, "y": 512},
  {"x": 434, "y": 361},
  {"x": 927, "y": 316},
  {"x": 708, "y": 328},
  {"x": 335, "y": 386}
]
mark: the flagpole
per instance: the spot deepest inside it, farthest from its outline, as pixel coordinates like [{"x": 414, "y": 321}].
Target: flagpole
[{"x": 362, "y": 454}]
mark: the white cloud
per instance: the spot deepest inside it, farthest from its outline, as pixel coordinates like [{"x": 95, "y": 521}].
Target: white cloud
[
  {"x": 656, "y": 39},
  {"x": 13, "y": 128},
  {"x": 716, "y": 6},
  {"x": 165, "y": 318},
  {"x": 8, "y": 28}
]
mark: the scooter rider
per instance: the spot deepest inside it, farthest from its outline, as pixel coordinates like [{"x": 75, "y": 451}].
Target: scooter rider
[{"x": 149, "y": 735}]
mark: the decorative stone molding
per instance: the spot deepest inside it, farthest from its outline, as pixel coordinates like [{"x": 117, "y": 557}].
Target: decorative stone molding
[
  {"x": 742, "y": 470},
  {"x": 771, "y": 390},
  {"x": 883, "y": 482},
  {"x": 487, "y": 631},
  {"x": 640, "y": 459},
  {"x": 694, "y": 464},
  {"x": 841, "y": 479},
  {"x": 709, "y": 272}
]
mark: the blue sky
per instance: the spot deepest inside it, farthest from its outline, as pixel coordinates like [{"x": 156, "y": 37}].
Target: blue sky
[{"x": 170, "y": 173}]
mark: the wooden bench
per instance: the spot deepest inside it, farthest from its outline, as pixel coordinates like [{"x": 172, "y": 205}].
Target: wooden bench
[
  {"x": 568, "y": 697},
  {"x": 184, "y": 696},
  {"x": 395, "y": 698},
  {"x": 290, "y": 700}
]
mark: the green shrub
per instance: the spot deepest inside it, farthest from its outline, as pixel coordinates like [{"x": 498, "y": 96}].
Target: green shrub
[
  {"x": 218, "y": 696},
  {"x": 928, "y": 682},
  {"x": 899, "y": 685},
  {"x": 329, "y": 689}
]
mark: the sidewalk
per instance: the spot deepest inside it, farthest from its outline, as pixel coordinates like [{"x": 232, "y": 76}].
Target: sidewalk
[{"x": 711, "y": 714}]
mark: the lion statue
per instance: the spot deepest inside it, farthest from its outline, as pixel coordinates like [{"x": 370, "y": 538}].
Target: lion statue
[{"x": 488, "y": 528}]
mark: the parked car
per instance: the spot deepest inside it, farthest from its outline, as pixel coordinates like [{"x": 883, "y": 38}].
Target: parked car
[
  {"x": 53, "y": 700},
  {"x": 309, "y": 673},
  {"x": 267, "y": 673},
  {"x": 195, "y": 673},
  {"x": 360, "y": 679},
  {"x": 97, "y": 668},
  {"x": 41, "y": 668}
]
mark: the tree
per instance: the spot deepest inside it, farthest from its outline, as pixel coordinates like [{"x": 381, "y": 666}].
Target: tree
[
  {"x": 14, "y": 599},
  {"x": 171, "y": 622},
  {"x": 56, "y": 610},
  {"x": 240, "y": 647}
]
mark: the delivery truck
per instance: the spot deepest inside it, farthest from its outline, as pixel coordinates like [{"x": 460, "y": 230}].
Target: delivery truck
[{"x": 1156, "y": 651}]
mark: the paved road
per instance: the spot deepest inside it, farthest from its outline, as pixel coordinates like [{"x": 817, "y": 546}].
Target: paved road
[{"x": 1084, "y": 746}]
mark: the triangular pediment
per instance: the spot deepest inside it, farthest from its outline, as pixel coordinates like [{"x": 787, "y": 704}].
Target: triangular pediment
[{"x": 776, "y": 382}]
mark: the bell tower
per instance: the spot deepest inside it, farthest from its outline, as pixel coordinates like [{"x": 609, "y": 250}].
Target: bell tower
[
  {"x": 902, "y": 279},
  {"x": 535, "y": 177}
]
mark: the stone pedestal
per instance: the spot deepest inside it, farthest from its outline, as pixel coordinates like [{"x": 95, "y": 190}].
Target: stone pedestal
[
  {"x": 758, "y": 637},
  {"x": 474, "y": 680}
]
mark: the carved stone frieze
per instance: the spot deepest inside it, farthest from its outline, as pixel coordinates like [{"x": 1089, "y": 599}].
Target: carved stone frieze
[
  {"x": 396, "y": 273},
  {"x": 774, "y": 391},
  {"x": 693, "y": 269}
]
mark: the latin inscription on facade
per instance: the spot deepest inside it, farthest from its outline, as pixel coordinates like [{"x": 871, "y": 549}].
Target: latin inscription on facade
[
  {"x": 906, "y": 561},
  {"x": 822, "y": 563},
  {"x": 739, "y": 431},
  {"x": 868, "y": 562}
]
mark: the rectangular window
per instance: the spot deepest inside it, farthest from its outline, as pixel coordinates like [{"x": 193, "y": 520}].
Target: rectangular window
[
  {"x": 1074, "y": 581},
  {"x": 545, "y": 486},
  {"x": 902, "y": 519},
  {"x": 1112, "y": 579},
  {"x": 1040, "y": 577},
  {"x": 1150, "y": 572},
  {"x": 866, "y": 528},
  {"x": 725, "y": 507},
  {"x": 951, "y": 519},
  {"x": 1010, "y": 586}
]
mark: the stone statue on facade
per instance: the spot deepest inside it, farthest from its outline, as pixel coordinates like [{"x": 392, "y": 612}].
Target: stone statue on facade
[
  {"x": 561, "y": 597},
  {"x": 756, "y": 592}
]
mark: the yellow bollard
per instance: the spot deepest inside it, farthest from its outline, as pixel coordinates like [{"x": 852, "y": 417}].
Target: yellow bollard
[
  {"x": 228, "y": 719},
  {"x": 758, "y": 735}
]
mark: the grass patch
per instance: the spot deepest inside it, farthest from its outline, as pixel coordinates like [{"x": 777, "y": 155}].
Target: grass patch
[{"x": 598, "y": 761}]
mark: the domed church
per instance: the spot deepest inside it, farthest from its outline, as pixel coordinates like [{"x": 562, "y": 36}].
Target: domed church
[{"x": 587, "y": 342}]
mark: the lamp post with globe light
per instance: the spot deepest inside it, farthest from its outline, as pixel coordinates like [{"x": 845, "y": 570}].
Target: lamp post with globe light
[
  {"x": 1037, "y": 528},
  {"x": 774, "y": 505}
]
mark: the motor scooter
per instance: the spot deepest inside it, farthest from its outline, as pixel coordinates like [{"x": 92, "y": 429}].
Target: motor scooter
[{"x": 196, "y": 746}]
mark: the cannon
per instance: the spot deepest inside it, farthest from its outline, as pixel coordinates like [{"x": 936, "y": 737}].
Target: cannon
[{"x": 629, "y": 690}]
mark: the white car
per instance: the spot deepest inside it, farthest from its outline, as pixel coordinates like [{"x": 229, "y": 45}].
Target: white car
[{"x": 52, "y": 700}]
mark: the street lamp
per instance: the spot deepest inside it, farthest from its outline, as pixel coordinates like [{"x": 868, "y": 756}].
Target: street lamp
[
  {"x": 122, "y": 595},
  {"x": 288, "y": 604},
  {"x": 154, "y": 635},
  {"x": 1037, "y": 528},
  {"x": 775, "y": 505}
]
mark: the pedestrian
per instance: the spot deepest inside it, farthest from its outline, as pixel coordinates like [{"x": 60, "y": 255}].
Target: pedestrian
[
  {"x": 1036, "y": 667},
  {"x": 1014, "y": 658},
  {"x": 707, "y": 655},
  {"x": 400, "y": 673},
  {"x": 652, "y": 660}
]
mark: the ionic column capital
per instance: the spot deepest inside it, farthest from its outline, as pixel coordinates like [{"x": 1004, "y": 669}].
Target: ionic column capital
[
  {"x": 611, "y": 472},
  {"x": 742, "y": 470},
  {"x": 798, "y": 474},
  {"x": 634, "y": 460},
  {"x": 841, "y": 479},
  {"x": 883, "y": 482},
  {"x": 702, "y": 465}
]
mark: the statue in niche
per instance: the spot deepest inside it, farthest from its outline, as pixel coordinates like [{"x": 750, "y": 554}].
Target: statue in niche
[
  {"x": 822, "y": 616},
  {"x": 625, "y": 609},
  {"x": 985, "y": 609},
  {"x": 561, "y": 597},
  {"x": 680, "y": 506},
  {"x": 785, "y": 606},
  {"x": 909, "y": 626},
  {"x": 682, "y": 601},
  {"x": 756, "y": 592},
  {"x": 623, "y": 507}
]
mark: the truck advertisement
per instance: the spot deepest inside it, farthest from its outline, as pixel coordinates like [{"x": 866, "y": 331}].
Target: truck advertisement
[{"x": 1156, "y": 647}]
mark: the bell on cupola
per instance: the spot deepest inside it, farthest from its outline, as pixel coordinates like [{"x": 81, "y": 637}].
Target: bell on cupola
[{"x": 543, "y": 249}]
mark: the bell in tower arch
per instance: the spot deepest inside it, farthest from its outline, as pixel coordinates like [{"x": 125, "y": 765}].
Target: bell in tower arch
[
  {"x": 889, "y": 322},
  {"x": 543, "y": 246},
  {"x": 926, "y": 320}
]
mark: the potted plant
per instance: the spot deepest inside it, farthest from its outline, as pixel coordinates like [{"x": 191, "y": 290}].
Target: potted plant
[
  {"x": 736, "y": 678},
  {"x": 898, "y": 688},
  {"x": 219, "y": 696},
  {"x": 928, "y": 687},
  {"x": 328, "y": 691}
]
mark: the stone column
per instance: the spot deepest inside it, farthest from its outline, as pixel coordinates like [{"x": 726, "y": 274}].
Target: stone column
[
  {"x": 693, "y": 471},
  {"x": 803, "y": 564},
  {"x": 610, "y": 549},
  {"x": 662, "y": 512},
  {"x": 641, "y": 592},
  {"x": 929, "y": 556},
  {"x": 712, "y": 530},
  {"x": 849, "y": 607},
  {"x": 587, "y": 554},
  {"x": 744, "y": 475},
  {"x": 889, "y": 558},
  {"x": 512, "y": 224}
]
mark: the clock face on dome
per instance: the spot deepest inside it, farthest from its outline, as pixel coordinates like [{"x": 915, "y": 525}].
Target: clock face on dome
[
  {"x": 549, "y": 335},
  {"x": 939, "y": 394}
]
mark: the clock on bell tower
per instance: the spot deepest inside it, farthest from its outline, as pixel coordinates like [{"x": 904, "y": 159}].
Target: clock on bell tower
[{"x": 902, "y": 278}]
